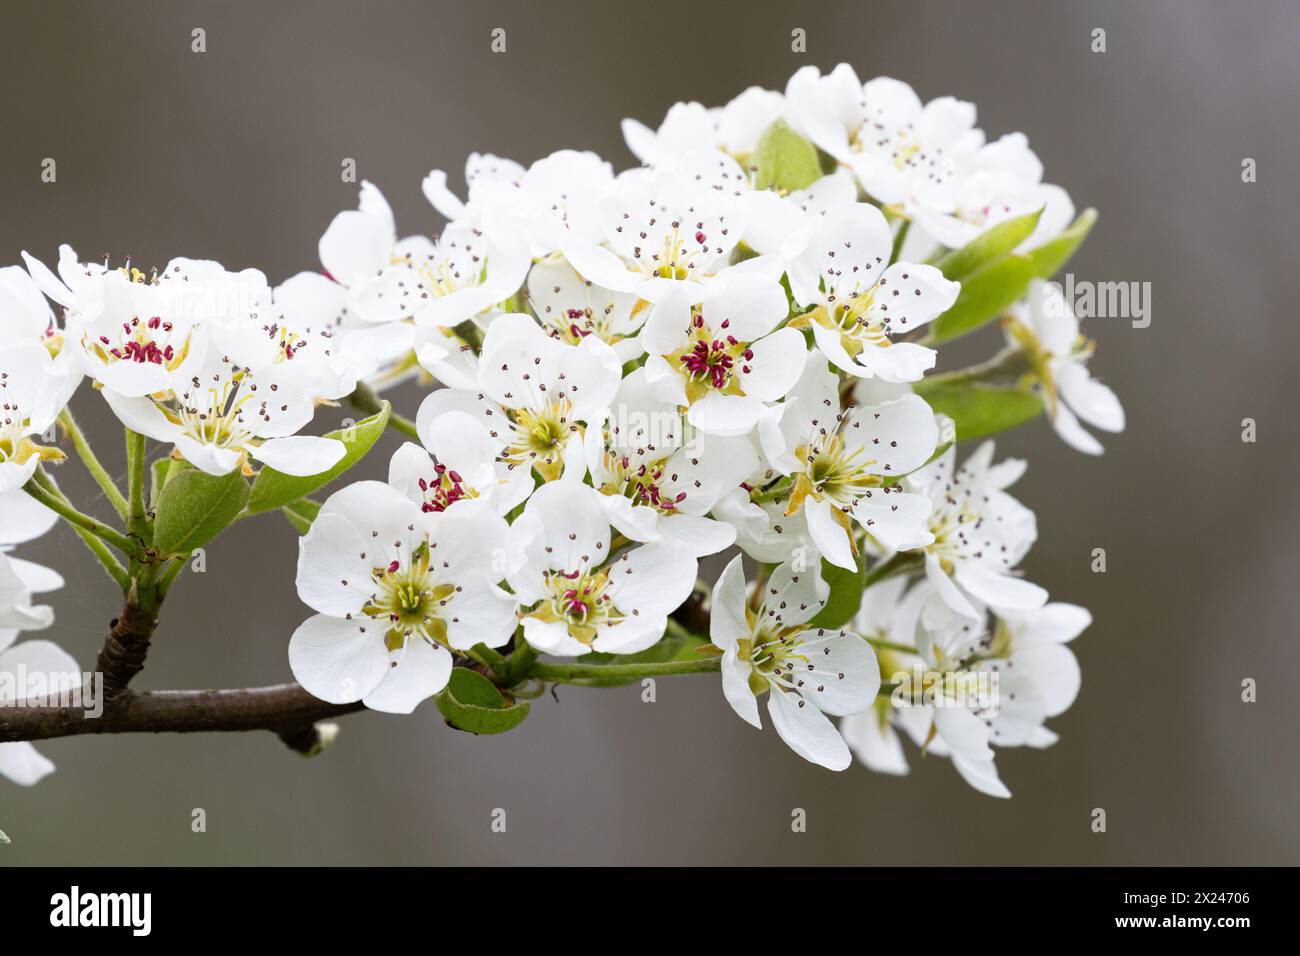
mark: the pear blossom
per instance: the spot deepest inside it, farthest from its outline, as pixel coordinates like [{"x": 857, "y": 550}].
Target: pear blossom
[
  {"x": 905, "y": 153},
  {"x": 22, "y": 519},
  {"x": 25, "y": 315},
  {"x": 439, "y": 282},
  {"x": 845, "y": 464},
  {"x": 575, "y": 595},
  {"x": 149, "y": 331},
  {"x": 396, "y": 589},
  {"x": 1037, "y": 675},
  {"x": 663, "y": 231},
  {"x": 860, "y": 302},
  {"x": 21, "y": 762},
  {"x": 655, "y": 484},
  {"x": 1046, "y": 329},
  {"x": 1001, "y": 180},
  {"x": 571, "y": 308},
  {"x": 979, "y": 533},
  {"x": 808, "y": 672},
  {"x": 724, "y": 359},
  {"x": 228, "y": 413},
  {"x": 312, "y": 308},
  {"x": 458, "y": 463},
  {"x": 709, "y": 354},
  {"x": 443, "y": 282},
  {"x": 549, "y": 203},
  {"x": 535, "y": 394},
  {"x": 735, "y": 128},
  {"x": 33, "y": 390}
]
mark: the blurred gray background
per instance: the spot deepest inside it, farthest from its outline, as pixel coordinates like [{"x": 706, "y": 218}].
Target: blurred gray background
[{"x": 234, "y": 154}]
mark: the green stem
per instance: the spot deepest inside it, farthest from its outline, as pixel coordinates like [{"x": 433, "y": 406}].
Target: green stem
[
  {"x": 899, "y": 238},
  {"x": 470, "y": 334},
  {"x": 167, "y": 577},
  {"x": 517, "y": 666},
  {"x": 59, "y": 504},
  {"x": 137, "y": 521},
  {"x": 781, "y": 487},
  {"x": 890, "y": 646},
  {"x": 92, "y": 463},
  {"x": 900, "y": 563},
  {"x": 576, "y": 673},
  {"x": 364, "y": 399}
]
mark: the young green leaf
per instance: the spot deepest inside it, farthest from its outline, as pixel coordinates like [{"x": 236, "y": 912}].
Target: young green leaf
[
  {"x": 274, "y": 489},
  {"x": 988, "y": 293},
  {"x": 472, "y": 703},
  {"x": 980, "y": 410},
  {"x": 194, "y": 507},
  {"x": 845, "y": 597},
  {"x": 785, "y": 160},
  {"x": 301, "y": 513},
  {"x": 988, "y": 247}
]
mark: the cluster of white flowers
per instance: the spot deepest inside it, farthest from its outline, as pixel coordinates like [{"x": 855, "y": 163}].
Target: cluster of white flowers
[{"x": 720, "y": 348}]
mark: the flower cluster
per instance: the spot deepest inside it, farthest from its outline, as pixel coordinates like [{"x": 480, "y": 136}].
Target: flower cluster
[{"x": 730, "y": 346}]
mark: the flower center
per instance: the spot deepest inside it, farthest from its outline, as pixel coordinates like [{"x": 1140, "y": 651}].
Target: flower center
[
  {"x": 288, "y": 341},
  {"x": 539, "y": 436},
  {"x": 580, "y": 601},
  {"x": 678, "y": 255},
  {"x": 142, "y": 341},
  {"x": 643, "y": 482},
  {"x": 446, "y": 488},
  {"x": 711, "y": 360},
  {"x": 788, "y": 659},
  {"x": 835, "y": 471},
  {"x": 409, "y": 598}
]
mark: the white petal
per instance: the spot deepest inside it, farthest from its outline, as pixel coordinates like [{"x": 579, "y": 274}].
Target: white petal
[
  {"x": 982, "y": 775},
  {"x": 735, "y": 687},
  {"x": 874, "y": 742},
  {"x": 727, "y": 621},
  {"x": 652, "y": 579},
  {"x": 897, "y": 519},
  {"x": 301, "y": 454},
  {"x": 807, "y": 731},
  {"x": 1091, "y": 401},
  {"x": 777, "y": 363},
  {"x": 338, "y": 661},
  {"x": 999, "y": 590},
  {"x": 829, "y": 536},
  {"x": 417, "y": 673},
  {"x": 23, "y": 764}
]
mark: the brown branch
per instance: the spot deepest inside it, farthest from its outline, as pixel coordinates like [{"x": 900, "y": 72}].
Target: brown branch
[
  {"x": 124, "y": 651},
  {"x": 285, "y": 709}
]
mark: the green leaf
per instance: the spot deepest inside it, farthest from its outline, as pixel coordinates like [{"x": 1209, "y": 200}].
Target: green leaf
[
  {"x": 301, "y": 513},
  {"x": 274, "y": 489},
  {"x": 845, "y": 597},
  {"x": 472, "y": 703},
  {"x": 160, "y": 472},
  {"x": 194, "y": 507},
  {"x": 784, "y": 159},
  {"x": 988, "y": 293},
  {"x": 988, "y": 247},
  {"x": 979, "y": 410},
  {"x": 1050, "y": 256}
]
